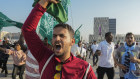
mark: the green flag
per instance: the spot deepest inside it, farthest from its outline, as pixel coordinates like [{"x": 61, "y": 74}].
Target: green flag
[
  {"x": 47, "y": 22},
  {"x": 45, "y": 27},
  {"x": 57, "y": 11},
  {"x": 17, "y": 24},
  {"x": 6, "y": 22},
  {"x": 77, "y": 35}
]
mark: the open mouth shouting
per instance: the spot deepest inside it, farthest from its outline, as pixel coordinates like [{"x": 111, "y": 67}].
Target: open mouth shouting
[{"x": 57, "y": 48}]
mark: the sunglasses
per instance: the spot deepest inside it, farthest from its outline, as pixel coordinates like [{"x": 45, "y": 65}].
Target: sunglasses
[{"x": 58, "y": 68}]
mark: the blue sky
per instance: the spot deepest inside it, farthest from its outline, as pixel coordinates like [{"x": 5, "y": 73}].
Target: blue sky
[{"x": 126, "y": 12}]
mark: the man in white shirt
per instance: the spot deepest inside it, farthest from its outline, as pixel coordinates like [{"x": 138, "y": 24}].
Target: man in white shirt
[
  {"x": 95, "y": 56},
  {"x": 81, "y": 51},
  {"x": 106, "y": 62},
  {"x": 74, "y": 50}
]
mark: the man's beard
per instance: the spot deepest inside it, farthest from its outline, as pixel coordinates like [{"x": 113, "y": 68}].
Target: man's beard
[
  {"x": 59, "y": 55},
  {"x": 130, "y": 44},
  {"x": 110, "y": 40}
]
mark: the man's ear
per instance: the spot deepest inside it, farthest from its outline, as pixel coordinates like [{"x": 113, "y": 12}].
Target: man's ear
[{"x": 72, "y": 41}]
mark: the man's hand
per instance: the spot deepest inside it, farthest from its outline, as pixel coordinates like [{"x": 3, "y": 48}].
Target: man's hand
[
  {"x": 53, "y": 1},
  {"x": 115, "y": 65},
  {"x": 98, "y": 52},
  {"x": 44, "y": 3},
  {"x": 84, "y": 58},
  {"x": 122, "y": 66},
  {"x": 134, "y": 59},
  {"x": 79, "y": 55}
]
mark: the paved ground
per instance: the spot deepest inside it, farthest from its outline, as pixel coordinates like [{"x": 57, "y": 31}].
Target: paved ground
[
  {"x": 105, "y": 77},
  {"x": 10, "y": 66}
]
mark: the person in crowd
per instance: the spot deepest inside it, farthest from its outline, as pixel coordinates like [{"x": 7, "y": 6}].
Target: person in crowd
[
  {"x": 5, "y": 39},
  {"x": 19, "y": 58},
  {"x": 4, "y": 58},
  {"x": 81, "y": 51},
  {"x": 117, "y": 45},
  {"x": 121, "y": 47},
  {"x": 95, "y": 56},
  {"x": 45, "y": 41},
  {"x": 1, "y": 59},
  {"x": 59, "y": 63},
  {"x": 21, "y": 43},
  {"x": 74, "y": 50},
  {"x": 90, "y": 50},
  {"x": 137, "y": 45},
  {"x": 121, "y": 44},
  {"x": 86, "y": 47},
  {"x": 106, "y": 61},
  {"x": 127, "y": 57}
]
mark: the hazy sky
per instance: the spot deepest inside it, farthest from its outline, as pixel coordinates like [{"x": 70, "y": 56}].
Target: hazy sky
[{"x": 126, "y": 12}]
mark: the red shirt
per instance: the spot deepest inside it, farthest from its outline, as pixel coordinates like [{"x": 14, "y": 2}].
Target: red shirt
[{"x": 72, "y": 68}]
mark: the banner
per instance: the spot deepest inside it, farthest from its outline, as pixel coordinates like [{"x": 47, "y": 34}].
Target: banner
[{"x": 100, "y": 30}]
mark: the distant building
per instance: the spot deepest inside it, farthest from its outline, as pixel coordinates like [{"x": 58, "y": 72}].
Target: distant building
[
  {"x": 112, "y": 26},
  {"x": 2, "y": 34},
  {"x": 91, "y": 38},
  {"x": 11, "y": 36},
  {"x": 103, "y": 25}
]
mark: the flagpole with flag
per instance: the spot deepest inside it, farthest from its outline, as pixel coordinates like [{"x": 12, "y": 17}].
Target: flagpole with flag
[
  {"x": 7, "y": 22},
  {"x": 77, "y": 35},
  {"x": 79, "y": 27}
]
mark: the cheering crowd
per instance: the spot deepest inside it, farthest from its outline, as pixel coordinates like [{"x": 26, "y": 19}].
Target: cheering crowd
[
  {"x": 108, "y": 54},
  {"x": 64, "y": 59}
]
